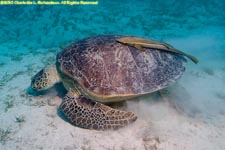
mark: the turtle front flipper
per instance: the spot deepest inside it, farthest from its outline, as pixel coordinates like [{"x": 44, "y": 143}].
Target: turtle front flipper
[{"x": 85, "y": 113}]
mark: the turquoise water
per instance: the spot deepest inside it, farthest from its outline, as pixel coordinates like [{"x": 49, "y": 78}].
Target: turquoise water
[
  {"x": 30, "y": 37},
  {"x": 53, "y": 26}
]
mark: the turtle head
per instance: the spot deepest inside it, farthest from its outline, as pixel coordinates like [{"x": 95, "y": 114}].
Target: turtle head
[{"x": 45, "y": 78}]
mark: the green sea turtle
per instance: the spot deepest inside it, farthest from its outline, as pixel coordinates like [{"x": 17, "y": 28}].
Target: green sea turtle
[{"x": 100, "y": 70}]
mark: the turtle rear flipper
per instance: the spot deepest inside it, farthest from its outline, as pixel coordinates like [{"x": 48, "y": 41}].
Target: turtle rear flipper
[{"x": 86, "y": 113}]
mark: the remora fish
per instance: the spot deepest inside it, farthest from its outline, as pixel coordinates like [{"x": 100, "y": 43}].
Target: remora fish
[{"x": 141, "y": 43}]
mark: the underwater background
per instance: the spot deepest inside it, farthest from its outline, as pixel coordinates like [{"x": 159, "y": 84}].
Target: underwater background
[{"x": 188, "y": 115}]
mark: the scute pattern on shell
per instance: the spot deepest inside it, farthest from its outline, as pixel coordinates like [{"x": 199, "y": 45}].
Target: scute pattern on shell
[{"x": 106, "y": 67}]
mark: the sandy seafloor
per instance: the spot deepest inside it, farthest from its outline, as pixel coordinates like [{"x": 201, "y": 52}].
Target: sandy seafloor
[{"x": 189, "y": 115}]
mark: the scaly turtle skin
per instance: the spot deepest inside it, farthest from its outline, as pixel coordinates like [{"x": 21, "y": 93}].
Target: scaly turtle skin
[{"x": 98, "y": 70}]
